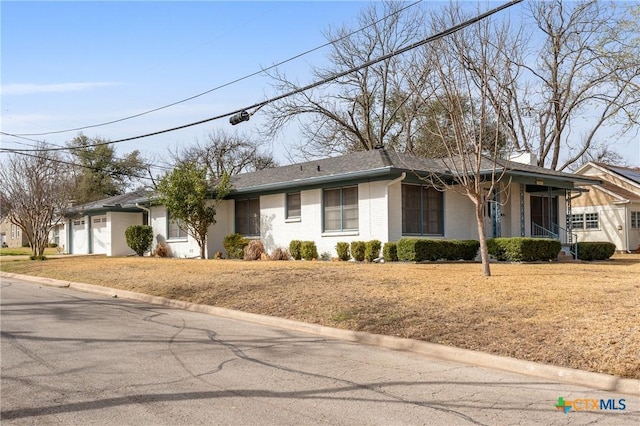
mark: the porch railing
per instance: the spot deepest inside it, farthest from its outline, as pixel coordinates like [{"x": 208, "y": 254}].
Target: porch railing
[{"x": 567, "y": 239}]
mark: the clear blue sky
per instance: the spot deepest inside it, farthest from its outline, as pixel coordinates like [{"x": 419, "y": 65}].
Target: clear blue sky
[{"x": 73, "y": 64}]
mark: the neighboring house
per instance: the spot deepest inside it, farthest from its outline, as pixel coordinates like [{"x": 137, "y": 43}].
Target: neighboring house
[
  {"x": 375, "y": 195},
  {"x": 99, "y": 227},
  {"x": 12, "y": 235},
  {"x": 609, "y": 211}
]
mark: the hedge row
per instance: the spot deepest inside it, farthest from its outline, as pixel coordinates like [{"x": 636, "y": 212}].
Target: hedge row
[
  {"x": 420, "y": 249},
  {"x": 521, "y": 249}
]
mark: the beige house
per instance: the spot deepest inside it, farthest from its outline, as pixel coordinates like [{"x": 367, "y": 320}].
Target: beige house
[
  {"x": 609, "y": 211},
  {"x": 11, "y": 235}
]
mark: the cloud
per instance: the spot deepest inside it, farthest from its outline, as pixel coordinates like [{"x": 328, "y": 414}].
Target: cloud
[{"x": 31, "y": 88}]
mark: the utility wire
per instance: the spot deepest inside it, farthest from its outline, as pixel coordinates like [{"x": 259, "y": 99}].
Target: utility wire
[
  {"x": 333, "y": 77},
  {"x": 220, "y": 86}
]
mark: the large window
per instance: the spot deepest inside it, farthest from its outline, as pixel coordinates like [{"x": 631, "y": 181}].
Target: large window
[
  {"x": 635, "y": 220},
  {"x": 248, "y": 217},
  {"x": 340, "y": 209},
  {"x": 176, "y": 228},
  {"x": 293, "y": 206},
  {"x": 422, "y": 210}
]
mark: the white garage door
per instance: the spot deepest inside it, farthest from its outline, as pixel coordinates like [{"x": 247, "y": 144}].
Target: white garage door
[
  {"x": 100, "y": 239},
  {"x": 80, "y": 240}
]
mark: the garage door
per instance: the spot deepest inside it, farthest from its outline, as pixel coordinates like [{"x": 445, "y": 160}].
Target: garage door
[{"x": 100, "y": 239}]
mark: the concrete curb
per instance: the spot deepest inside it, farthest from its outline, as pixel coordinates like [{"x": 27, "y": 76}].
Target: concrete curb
[{"x": 544, "y": 371}]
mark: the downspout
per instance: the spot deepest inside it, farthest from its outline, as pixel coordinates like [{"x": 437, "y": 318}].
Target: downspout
[{"x": 141, "y": 207}]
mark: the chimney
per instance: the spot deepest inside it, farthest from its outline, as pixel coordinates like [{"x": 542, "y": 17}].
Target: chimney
[{"x": 524, "y": 157}]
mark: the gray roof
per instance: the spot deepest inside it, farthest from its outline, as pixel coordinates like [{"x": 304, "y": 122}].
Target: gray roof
[
  {"x": 377, "y": 163},
  {"x": 631, "y": 173},
  {"x": 117, "y": 202}
]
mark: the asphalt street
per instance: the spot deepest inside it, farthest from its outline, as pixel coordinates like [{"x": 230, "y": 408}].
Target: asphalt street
[{"x": 76, "y": 358}]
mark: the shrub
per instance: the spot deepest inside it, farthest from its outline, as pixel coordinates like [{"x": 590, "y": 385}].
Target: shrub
[
  {"x": 343, "y": 251},
  {"x": 308, "y": 250},
  {"x": 38, "y": 257},
  {"x": 139, "y": 238},
  {"x": 372, "y": 250},
  {"x": 253, "y": 250},
  {"x": 595, "y": 250},
  {"x": 422, "y": 249},
  {"x": 234, "y": 244},
  {"x": 52, "y": 245},
  {"x": 217, "y": 255},
  {"x": 325, "y": 256},
  {"x": 280, "y": 253},
  {"x": 520, "y": 249},
  {"x": 295, "y": 247},
  {"x": 390, "y": 252},
  {"x": 358, "y": 250},
  {"x": 162, "y": 250}
]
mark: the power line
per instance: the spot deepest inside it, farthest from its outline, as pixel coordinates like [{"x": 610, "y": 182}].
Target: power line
[
  {"x": 220, "y": 86},
  {"x": 333, "y": 77}
]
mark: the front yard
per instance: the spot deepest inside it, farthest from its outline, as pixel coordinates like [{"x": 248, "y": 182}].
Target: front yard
[{"x": 579, "y": 315}]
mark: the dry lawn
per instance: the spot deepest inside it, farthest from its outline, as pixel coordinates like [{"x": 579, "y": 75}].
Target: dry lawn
[{"x": 579, "y": 315}]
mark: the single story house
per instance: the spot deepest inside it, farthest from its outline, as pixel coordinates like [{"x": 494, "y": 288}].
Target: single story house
[
  {"x": 377, "y": 194},
  {"x": 610, "y": 211}
]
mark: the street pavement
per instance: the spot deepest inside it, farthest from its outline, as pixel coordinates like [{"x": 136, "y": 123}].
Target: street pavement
[{"x": 74, "y": 358}]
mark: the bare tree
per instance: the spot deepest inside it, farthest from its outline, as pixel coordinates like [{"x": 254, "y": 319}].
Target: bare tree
[
  {"x": 467, "y": 69},
  {"x": 584, "y": 83},
  {"x": 36, "y": 188},
  {"x": 222, "y": 153},
  {"x": 366, "y": 108}
]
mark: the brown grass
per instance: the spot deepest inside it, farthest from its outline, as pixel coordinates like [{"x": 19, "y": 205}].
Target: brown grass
[{"x": 579, "y": 315}]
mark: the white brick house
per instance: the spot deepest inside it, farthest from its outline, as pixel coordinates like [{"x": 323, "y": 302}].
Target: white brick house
[{"x": 374, "y": 195}]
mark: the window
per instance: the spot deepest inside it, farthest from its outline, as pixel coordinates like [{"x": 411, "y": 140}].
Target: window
[
  {"x": 422, "y": 210},
  {"x": 635, "y": 220},
  {"x": 176, "y": 228},
  {"x": 248, "y": 217},
  {"x": 340, "y": 209},
  {"x": 293, "y": 206},
  {"x": 577, "y": 221},
  {"x": 591, "y": 221}
]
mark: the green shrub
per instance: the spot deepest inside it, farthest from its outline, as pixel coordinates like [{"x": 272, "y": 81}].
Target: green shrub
[
  {"x": 325, "y": 256},
  {"x": 234, "y": 244},
  {"x": 38, "y": 257},
  {"x": 521, "y": 249},
  {"x": 372, "y": 250},
  {"x": 422, "y": 249},
  {"x": 358, "y": 250},
  {"x": 52, "y": 245},
  {"x": 343, "y": 251},
  {"x": 595, "y": 250},
  {"x": 308, "y": 250},
  {"x": 139, "y": 238},
  {"x": 295, "y": 248},
  {"x": 390, "y": 252}
]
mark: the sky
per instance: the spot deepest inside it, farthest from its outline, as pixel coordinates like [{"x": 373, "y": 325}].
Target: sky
[{"x": 74, "y": 64}]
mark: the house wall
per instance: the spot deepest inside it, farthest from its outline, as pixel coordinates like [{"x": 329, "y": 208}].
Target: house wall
[
  {"x": 182, "y": 247},
  {"x": 61, "y": 240},
  {"x": 223, "y": 227},
  {"x": 117, "y": 224},
  {"x": 459, "y": 217},
  {"x": 277, "y": 231},
  {"x": 611, "y": 225}
]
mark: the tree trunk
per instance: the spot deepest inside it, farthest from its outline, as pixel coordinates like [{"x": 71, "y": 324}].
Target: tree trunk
[{"x": 484, "y": 252}]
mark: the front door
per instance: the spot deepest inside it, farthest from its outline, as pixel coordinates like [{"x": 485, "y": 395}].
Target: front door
[{"x": 544, "y": 213}]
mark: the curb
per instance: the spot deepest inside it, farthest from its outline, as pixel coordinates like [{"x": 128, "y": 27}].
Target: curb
[{"x": 572, "y": 376}]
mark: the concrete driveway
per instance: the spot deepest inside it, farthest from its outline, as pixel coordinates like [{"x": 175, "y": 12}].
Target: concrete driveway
[{"x": 77, "y": 358}]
